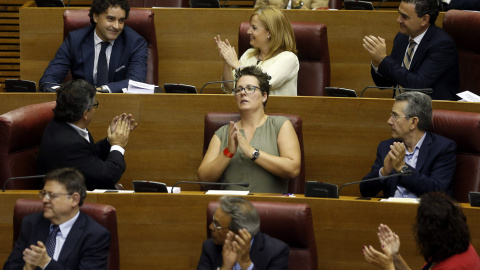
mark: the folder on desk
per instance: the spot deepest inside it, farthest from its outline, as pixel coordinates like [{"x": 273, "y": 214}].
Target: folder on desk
[{"x": 49, "y": 3}]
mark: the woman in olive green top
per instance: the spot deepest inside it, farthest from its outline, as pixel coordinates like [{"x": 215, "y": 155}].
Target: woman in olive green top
[{"x": 260, "y": 149}]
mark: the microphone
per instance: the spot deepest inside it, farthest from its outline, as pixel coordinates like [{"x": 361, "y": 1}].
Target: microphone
[
  {"x": 422, "y": 90},
  {"x": 403, "y": 172},
  {"x": 49, "y": 89},
  {"x": 244, "y": 184},
  {"x": 201, "y": 90},
  {"x": 21, "y": 177},
  {"x": 223, "y": 6}
]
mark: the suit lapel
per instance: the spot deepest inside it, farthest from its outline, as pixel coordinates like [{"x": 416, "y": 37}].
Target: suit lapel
[
  {"x": 255, "y": 250},
  {"x": 420, "y": 52},
  {"x": 43, "y": 230},
  {"x": 75, "y": 234},
  {"x": 88, "y": 53},
  {"x": 92, "y": 143},
  {"x": 116, "y": 56},
  {"x": 424, "y": 150}
]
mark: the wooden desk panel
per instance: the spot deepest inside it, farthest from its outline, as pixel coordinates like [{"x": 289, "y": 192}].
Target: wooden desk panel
[
  {"x": 186, "y": 49},
  {"x": 166, "y": 231},
  {"x": 340, "y": 134}
]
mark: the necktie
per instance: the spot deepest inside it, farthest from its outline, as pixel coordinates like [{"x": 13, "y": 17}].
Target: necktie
[
  {"x": 102, "y": 66},
  {"x": 407, "y": 59},
  {"x": 52, "y": 240}
]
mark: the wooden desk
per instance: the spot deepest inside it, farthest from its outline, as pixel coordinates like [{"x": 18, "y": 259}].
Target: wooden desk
[
  {"x": 166, "y": 231},
  {"x": 186, "y": 50},
  {"x": 340, "y": 135}
]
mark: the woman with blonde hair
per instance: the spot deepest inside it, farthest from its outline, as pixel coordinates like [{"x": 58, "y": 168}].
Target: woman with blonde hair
[{"x": 273, "y": 50}]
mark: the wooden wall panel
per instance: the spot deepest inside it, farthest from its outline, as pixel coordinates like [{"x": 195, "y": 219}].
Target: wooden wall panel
[{"x": 187, "y": 51}]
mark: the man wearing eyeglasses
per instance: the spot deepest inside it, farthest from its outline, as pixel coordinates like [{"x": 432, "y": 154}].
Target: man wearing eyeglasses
[
  {"x": 61, "y": 237},
  {"x": 66, "y": 141},
  {"x": 237, "y": 242},
  {"x": 429, "y": 157}
]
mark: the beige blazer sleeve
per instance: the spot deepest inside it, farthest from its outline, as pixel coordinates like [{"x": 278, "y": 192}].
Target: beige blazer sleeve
[
  {"x": 311, "y": 4},
  {"x": 278, "y": 3}
]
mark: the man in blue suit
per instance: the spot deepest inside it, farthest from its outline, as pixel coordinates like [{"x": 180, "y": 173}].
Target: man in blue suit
[
  {"x": 429, "y": 157},
  {"x": 461, "y": 4},
  {"x": 423, "y": 55},
  {"x": 237, "y": 242},
  {"x": 61, "y": 237},
  {"x": 106, "y": 54}
]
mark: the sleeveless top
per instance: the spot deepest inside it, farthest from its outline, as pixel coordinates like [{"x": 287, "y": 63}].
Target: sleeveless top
[{"x": 242, "y": 169}]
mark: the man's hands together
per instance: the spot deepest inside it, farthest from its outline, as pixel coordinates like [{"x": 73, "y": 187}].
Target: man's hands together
[
  {"x": 237, "y": 249},
  {"x": 35, "y": 256},
  {"x": 119, "y": 129},
  {"x": 376, "y": 47}
]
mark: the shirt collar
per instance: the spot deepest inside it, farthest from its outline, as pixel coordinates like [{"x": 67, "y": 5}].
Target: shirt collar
[
  {"x": 97, "y": 39},
  {"x": 81, "y": 131},
  {"x": 417, "y": 146},
  {"x": 67, "y": 225},
  {"x": 419, "y": 38}
]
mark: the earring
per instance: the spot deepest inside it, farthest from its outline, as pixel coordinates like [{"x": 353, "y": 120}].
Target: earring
[{"x": 268, "y": 36}]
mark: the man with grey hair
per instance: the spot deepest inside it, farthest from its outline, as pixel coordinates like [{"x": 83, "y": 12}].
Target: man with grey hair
[
  {"x": 237, "y": 242},
  {"x": 430, "y": 157},
  {"x": 66, "y": 141},
  {"x": 423, "y": 55}
]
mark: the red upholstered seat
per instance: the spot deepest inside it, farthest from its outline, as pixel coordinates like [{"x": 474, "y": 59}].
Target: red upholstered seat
[
  {"x": 313, "y": 55},
  {"x": 105, "y": 215},
  {"x": 140, "y": 20},
  {"x": 215, "y": 120},
  {"x": 464, "y": 27},
  {"x": 335, "y": 4},
  {"x": 21, "y": 132},
  {"x": 159, "y": 3},
  {"x": 464, "y": 129},
  {"x": 290, "y": 222}
]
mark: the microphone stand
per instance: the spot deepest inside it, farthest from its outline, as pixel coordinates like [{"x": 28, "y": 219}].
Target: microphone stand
[
  {"x": 403, "y": 172},
  {"x": 422, "y": 90},
  {"x": 21, "y": 177},
  {"x": 201, "y": 90},
  {"x": 245, "y": 184}
]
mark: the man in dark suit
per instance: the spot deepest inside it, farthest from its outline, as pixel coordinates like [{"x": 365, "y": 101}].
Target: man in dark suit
[
  {"x": 61, "y": 237},
  {"x": 237, "y": 242},
  {"x": 66, "y": 142},
  {"x": 423, "y": 55},
  {"x": 429, "y": 157},
  {"x": 461, "y": 4},
  {"x": 106, "y": 54}
]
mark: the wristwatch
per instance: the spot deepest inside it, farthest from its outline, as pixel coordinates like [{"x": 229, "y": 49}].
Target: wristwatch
[
  {"x": 404, "y": 169},
  {"x": 256, "y": 153}
]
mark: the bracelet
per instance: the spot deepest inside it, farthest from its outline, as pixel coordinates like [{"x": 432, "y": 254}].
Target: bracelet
[{"x": 227, "y": 153}]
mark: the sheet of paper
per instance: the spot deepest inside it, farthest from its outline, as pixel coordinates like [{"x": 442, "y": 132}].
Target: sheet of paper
[
  {"x": 110, "y": 191},
  {"x": 469, "y": 96},
  {"x": 402, "y": 200},
  {"x": 175, "y": 189},
  {"x": 140, "y": 88},
  {"x": 228, "y": 192}
]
